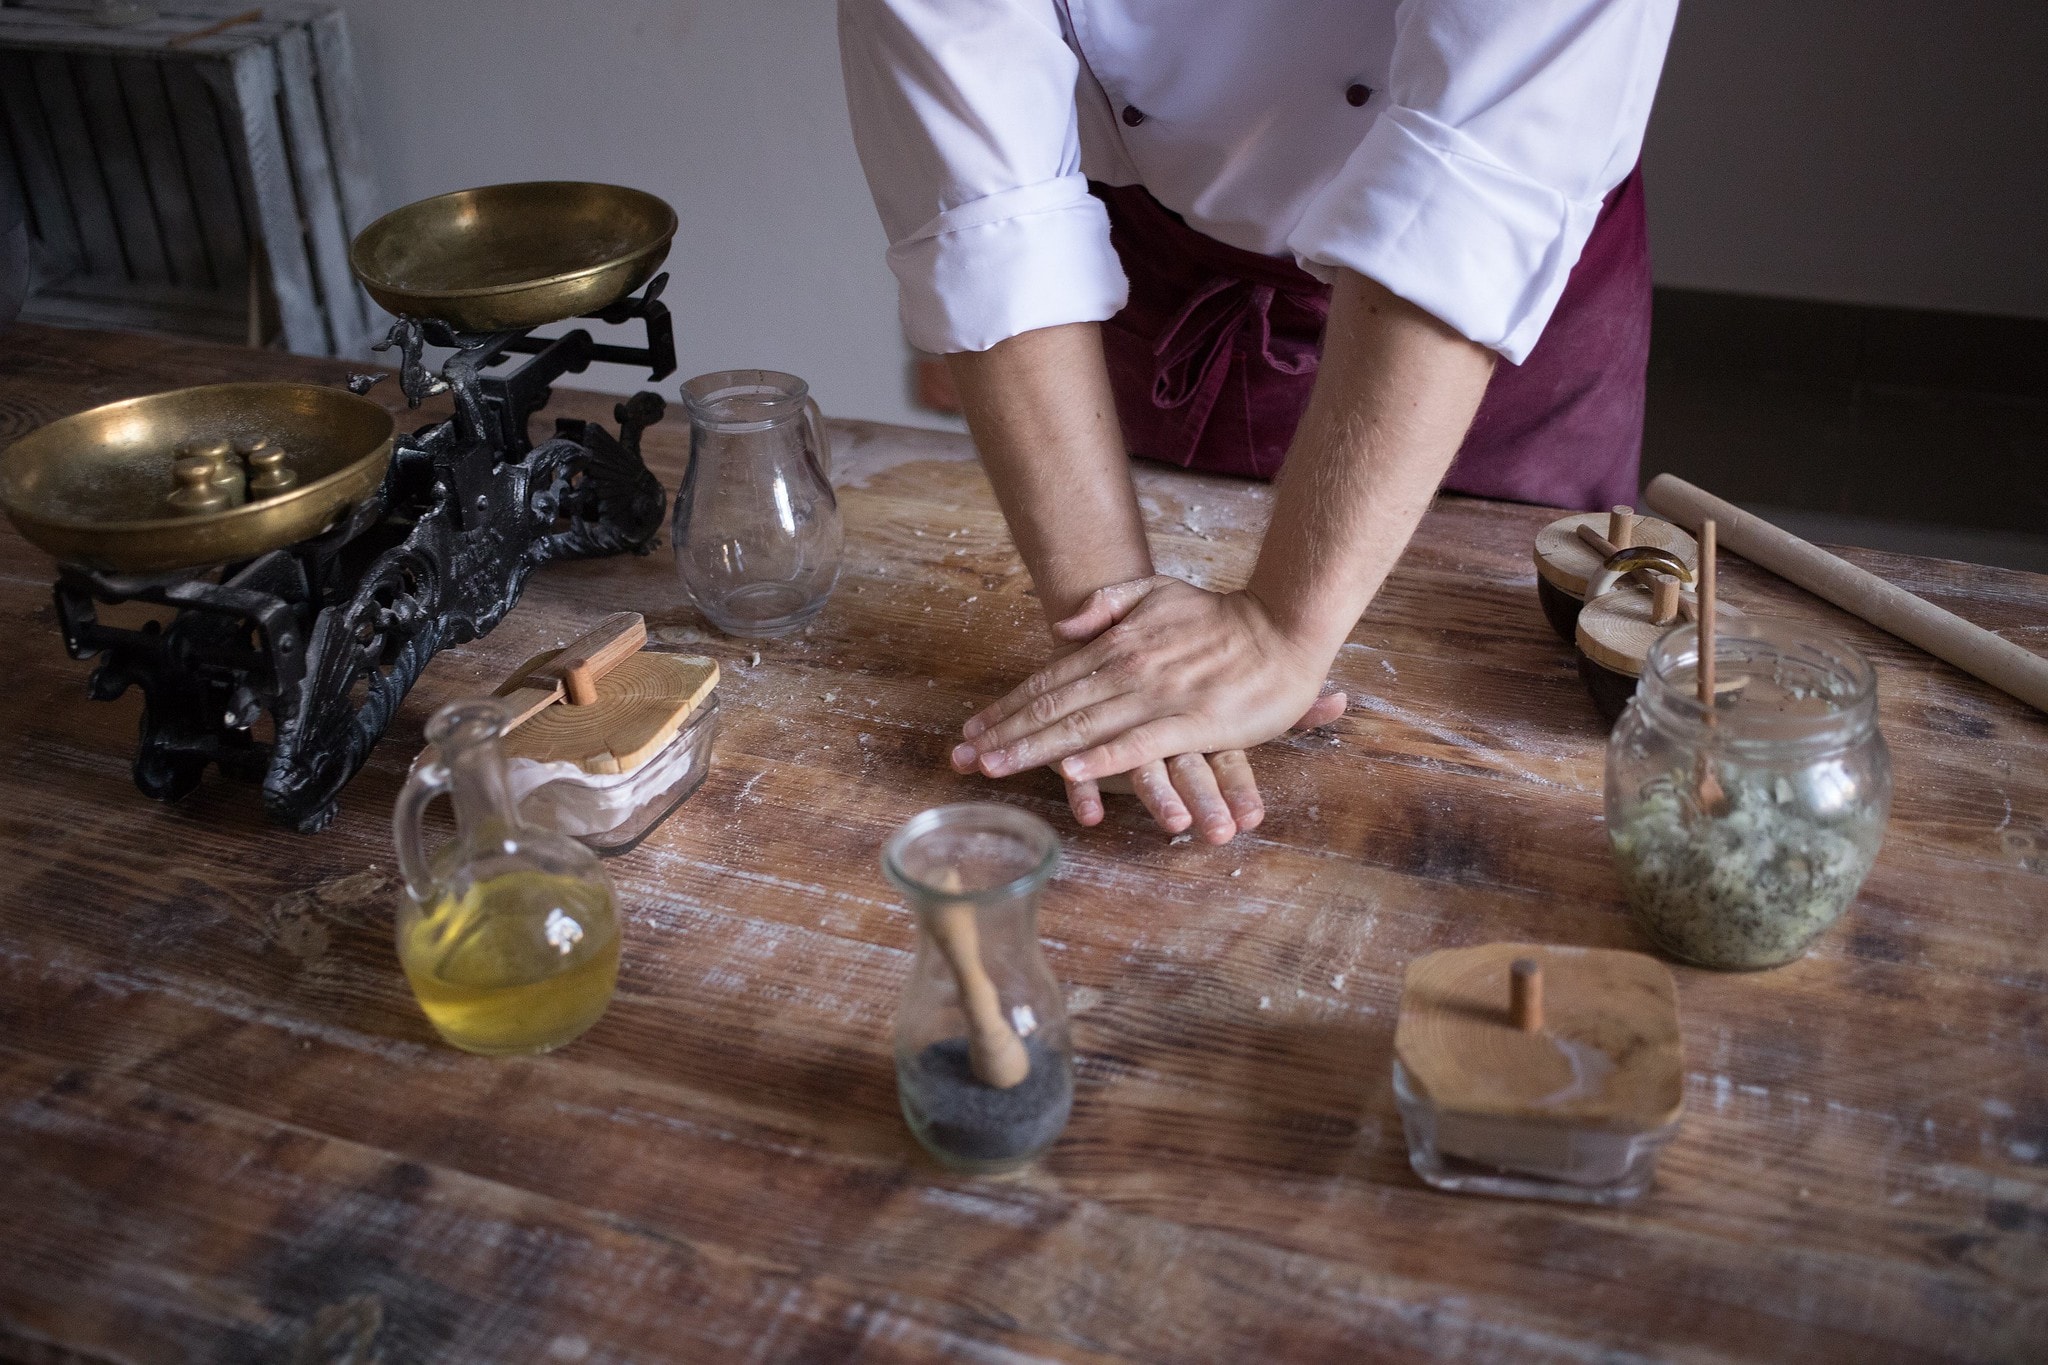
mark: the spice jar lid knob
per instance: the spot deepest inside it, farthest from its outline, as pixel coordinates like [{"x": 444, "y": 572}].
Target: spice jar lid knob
[{"x": 1525, "y": 994}]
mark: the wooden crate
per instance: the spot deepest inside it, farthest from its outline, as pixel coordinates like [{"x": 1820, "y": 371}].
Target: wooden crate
[{"x": 209, "y": 188}]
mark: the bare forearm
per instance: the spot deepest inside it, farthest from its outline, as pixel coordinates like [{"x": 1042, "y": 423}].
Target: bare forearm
[
  {"x": 1040, "y": 408},
  {"x": 1393, "y": 397}
]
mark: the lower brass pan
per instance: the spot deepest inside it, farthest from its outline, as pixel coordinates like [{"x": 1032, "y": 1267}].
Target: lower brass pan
[
  {"x": 93, "y": 489},
  {"x": 514, "y": 256}
]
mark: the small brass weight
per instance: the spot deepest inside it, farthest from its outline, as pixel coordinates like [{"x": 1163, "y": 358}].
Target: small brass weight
[
  {"x": 269, "y": 475},
  {"x": 215, "y": 475},
  {"x": 195, "y": 492}
]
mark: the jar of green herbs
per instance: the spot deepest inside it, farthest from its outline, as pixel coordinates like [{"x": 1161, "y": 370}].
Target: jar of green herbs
[{"x": 1742, "y": 830}]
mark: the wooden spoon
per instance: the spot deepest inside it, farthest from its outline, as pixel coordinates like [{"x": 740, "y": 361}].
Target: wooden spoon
[
  {"x": 575, "y": 671},
  {"x": 1713, "y": 799},
  {"x": 994, "y": 1051}
]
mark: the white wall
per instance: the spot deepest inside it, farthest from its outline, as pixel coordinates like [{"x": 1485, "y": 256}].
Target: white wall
[
  {"x": 1863, "y": 151},
  {"x": 731, "y": 110},
  {"x": 1876, "y": 151}
]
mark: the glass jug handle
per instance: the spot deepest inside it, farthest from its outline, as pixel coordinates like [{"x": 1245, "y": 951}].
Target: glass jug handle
[
  {"x": 426, "y": 782},
  {"x": 820, "y": 444}
]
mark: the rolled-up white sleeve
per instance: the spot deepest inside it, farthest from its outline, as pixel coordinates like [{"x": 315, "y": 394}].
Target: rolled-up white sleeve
[
  {"x": 964, "y": 115},
  {"x": 1506, "y": 123}
]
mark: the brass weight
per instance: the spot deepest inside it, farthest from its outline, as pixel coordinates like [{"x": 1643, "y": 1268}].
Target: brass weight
[
  {"x": 269, "y": 475},
  {"x": 99, "y": 488},
  {"x": 196, "y": 492},
  {"x": 227, "y": 477}
]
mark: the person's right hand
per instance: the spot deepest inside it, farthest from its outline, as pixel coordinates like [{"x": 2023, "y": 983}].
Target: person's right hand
[{"x": 1214, "y": 793}]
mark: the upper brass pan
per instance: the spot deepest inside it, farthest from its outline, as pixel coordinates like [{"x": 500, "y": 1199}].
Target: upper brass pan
[
  {"x": 93, "y": 489},
  {"x": 510, "y": 256}
]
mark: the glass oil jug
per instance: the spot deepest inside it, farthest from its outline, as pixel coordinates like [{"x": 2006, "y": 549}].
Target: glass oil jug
[
  {"x": 984, "y": 1059},
  {"x": 508, "y": 934},
  {"x": 757, "y": 532}
]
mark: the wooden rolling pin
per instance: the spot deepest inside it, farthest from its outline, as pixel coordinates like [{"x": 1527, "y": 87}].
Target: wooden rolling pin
[
  {"x": 1943, "y": 634},
  {"x": 995, "y": 1053}
]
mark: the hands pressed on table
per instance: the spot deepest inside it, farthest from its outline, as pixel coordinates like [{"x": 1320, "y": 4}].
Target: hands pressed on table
[
  {"x": 1169, "y": 683},
  {"x": 1164, "y": 680}
]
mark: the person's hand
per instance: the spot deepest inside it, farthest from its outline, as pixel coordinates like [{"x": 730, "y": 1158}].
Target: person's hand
[
  {"x": 1168, "y": 669},
  {"x": 1216, "y": 793}
]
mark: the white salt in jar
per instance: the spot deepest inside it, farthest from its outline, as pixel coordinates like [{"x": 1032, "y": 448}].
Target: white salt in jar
[{"x": 612, "y": 812}]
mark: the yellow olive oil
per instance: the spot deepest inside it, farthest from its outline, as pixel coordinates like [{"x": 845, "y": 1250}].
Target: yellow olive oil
[{"x": 522, "y": 962}]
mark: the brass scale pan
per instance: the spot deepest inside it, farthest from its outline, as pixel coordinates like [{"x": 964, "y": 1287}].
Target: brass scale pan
[{"x": 91, "y": 489}]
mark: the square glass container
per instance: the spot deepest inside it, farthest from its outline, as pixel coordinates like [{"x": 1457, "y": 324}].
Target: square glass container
[
  {"x": 1525, "y": 1158},
  {"x": 1538, "y": 1072},
  {"x": 612, "y": 812}
]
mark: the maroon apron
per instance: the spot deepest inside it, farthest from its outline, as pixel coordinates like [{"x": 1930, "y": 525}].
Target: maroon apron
[{"x": 1213, "y": 358}]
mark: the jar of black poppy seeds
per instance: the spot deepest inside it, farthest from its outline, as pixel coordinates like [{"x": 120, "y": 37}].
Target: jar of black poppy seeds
[{"x": 984, "y": 1059}]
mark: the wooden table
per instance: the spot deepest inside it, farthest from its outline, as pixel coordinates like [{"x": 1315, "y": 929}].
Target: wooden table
[{"x": 227, "y": 1134}]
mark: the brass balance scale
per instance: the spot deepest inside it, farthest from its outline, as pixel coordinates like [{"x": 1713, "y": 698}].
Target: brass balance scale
[{"x": 314, "y": 562}]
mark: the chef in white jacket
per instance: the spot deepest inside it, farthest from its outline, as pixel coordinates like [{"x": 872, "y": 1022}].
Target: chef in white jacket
[{"x": 1367, "y": 247}]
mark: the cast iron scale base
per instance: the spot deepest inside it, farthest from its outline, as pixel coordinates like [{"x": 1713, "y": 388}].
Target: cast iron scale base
[{"x": 326, "y": 636}]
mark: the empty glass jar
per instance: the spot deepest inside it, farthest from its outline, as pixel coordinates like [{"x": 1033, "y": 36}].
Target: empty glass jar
[
  {"x": 984, "y": 1060},
  {"x": 757, "y": 531},
  {"x": 1740, "y": 837}
]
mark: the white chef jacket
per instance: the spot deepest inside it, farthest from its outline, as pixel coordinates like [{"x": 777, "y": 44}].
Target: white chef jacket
[{"x": 1467, "y": 181}]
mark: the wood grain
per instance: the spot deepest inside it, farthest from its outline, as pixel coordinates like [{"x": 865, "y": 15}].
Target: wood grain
[
  {"x": 1471, "y": 1050},
  {"x": 597, "y": 651},
  {"x": 638, "y": 707},
  {"x": 248, "y": 90},
  {"x": 1563, "y": 557},
  {"x": 228, "y": 1134}
]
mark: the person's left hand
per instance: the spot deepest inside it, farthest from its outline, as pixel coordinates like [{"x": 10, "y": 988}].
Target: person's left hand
[{"x": 1168, "y": 669}]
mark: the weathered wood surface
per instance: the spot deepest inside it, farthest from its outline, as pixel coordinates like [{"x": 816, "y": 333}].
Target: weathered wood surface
[
  {"x": 165, "y": 151},
  {"x": 226, "y": 1133}
]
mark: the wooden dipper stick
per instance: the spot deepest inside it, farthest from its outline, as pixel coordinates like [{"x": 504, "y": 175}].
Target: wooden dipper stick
[
  {"x": 994, "y": 1051},
  {"x": 1525, "y": 994},
  {"x": 597, "y": 652},
  {"x": 1706, "y": 649},
  {"x": 1976, "y": 651},
  {"x": 574, "y": 672},
  {"x": 1621, "y": 526},
  {"x": 1712, "y": 798},
  {"x": 536, "y": 694},
  {"x": 1664, "y": 601}
]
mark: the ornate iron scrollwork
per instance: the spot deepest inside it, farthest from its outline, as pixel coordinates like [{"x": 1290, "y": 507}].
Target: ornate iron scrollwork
[{"x": 328, "y": 636}]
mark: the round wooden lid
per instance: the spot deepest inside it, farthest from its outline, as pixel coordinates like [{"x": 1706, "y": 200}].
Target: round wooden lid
[
  {"x": 1616, "y": 630},
  {"x": 1568, "y": 563},
  {"x": 1608, "y": 1054},
  {"x": 641, "y": 704}
]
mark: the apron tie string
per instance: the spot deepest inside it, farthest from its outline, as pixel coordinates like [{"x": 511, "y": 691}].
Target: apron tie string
[{"x": 1192, "y": 356}]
